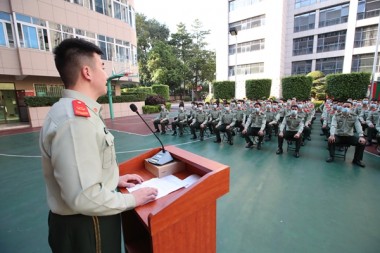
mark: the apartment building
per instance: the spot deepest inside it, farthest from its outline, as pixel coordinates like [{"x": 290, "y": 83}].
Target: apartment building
[
  {"x": 31, "y": 29},
  {"x": 273, "y": 39}
]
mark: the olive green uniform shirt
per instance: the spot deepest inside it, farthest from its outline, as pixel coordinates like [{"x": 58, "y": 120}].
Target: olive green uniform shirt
[
  {"x": 79, "y": 161},
  {"x": 343, "y": 125}
]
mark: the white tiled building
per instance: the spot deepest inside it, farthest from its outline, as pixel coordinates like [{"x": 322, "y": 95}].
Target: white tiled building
[
  {"x": 31, "y": 29},
  {"x": 278, "y": 38}
]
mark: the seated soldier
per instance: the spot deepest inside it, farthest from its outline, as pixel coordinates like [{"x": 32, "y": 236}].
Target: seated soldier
[
  {"x": 226, "y": 123},
  {"x": 270, "y": 114},
  {"x": 162, "y": 119},
  {"x": 291, "y": 129},
  {"x": 199, "y": 122},
  {"x": 342, "y": 133},
  {"x": 378, "y": 132},
  {"x": 255, "y": 126},
  {"x": 180, "y": 121},
  {"x": 239, "y": 114},
  {"x": 213, "y": 117},
  {"x": 372, "y": 119}
]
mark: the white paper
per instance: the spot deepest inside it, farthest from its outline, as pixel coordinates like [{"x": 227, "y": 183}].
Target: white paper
[
  {"x": 164, "y": 185},
  {"x": 191, "y": 180}
]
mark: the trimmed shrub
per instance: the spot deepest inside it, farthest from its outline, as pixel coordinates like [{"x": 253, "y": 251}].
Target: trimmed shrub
[
  {"x": 296, "y": 86},
  {"x": 344, "y": 86},
  {"x": 154, "y": 100},
  {"x": 122, "y": 99},
  {"x": 40, "y": 101},
  {"x": 162, "y": 90},
  {"x": 148, "y": 109},
  {"x": 224, "y": 89},
  {"x": 145, "y": 90},
  {"x": 258, "y": 88},
  {"x": 317, "y": 104}
]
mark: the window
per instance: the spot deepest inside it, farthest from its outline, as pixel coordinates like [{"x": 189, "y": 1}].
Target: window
[
  {"x": 303, "y": 3},
  {"x": 32, "y": 32},
  {"x": 107, "y": 46},
  {"x": 47, "y": 90},
  {"x": 246, "y": 47},
  {"x": 301, "y": 67},
  {"x": 364, "y": 63},
  {"x": 365, "y": 36},
  {"x": 334, "y": 15},
  {"x": 330, "y": 65},
  {"x": 6, "y": 32},
  {"x": 368, "y": 9},
  {"x": 239, "y": 4},
  {"x": 247, "y": 69},
  {"x": 331, "y": 41},
  {"x": 248, "y": 23},
  {"x": 103, "y": 7},
  {"x": 304, "y": 22},
  {"x": 303, "y": 45}
]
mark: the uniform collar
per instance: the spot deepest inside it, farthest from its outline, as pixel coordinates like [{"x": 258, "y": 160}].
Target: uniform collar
[{"x": 90, "y": 103}]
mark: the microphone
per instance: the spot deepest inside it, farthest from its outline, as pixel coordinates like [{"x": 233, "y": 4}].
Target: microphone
[{"x": 161, "y": 157}]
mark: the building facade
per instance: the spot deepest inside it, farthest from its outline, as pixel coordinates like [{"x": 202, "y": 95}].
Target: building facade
[
  {"x": 30, "y": 30},
  {"x": 275, "y": 39}
]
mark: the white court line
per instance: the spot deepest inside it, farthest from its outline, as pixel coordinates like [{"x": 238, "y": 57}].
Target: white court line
[{"x": 22, "y": 156}]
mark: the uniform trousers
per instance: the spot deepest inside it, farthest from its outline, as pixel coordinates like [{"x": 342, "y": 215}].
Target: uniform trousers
[
  {"x": 371, "y": 132},
  {"x": 178, "y": 124},
  {"x": 211, "y": 125},
  {"x": 289, "y": 135},
  {"x": 84, "y": 234},
  {"x": 197, "y": 125},
  {"x": 163, "y": 124},
  {"x": 348, "y": 140},
  {"x": 223, "y": 128},
  {"x": 253, "y": 131}
]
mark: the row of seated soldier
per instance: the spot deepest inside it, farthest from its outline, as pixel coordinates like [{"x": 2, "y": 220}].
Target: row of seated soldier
[
  {"x": 290, "y": 120},
  {"x": 351, "y": 123}
]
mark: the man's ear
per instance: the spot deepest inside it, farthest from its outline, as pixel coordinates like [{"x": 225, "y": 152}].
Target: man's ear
[{"x": 86, "y": 72}]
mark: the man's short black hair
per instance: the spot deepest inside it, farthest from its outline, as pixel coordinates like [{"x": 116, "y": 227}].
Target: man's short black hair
[
  {"x": 293, "y": 106},
  {"x": 69, "y": 57}
]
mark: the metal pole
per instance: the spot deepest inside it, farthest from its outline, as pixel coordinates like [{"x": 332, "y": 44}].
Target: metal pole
[
  {"x": 235, "y": 65},
  {"x": 375, "y": 60},
  {"x": 109, "y": 92}
]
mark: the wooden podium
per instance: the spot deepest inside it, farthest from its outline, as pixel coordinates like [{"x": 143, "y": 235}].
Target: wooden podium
[{"x": 183, "y": 221}]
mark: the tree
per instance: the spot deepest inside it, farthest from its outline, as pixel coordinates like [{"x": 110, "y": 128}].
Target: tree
[
  {"x": 164, "y": 66},
  {"x": 149, "y": 32}
]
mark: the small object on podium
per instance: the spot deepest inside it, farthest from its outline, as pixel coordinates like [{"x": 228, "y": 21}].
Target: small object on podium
[
  {"x": 161, "y": 158},
  {"x": 164, "y": 170}
]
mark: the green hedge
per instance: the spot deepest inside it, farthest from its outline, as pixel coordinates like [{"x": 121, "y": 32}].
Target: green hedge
[
  {"x": 162, "y": 90},
  {"x": 224, "y": 90},
  {"x": 148, "y": 109},
  {"x": 317, "y": 103},
  {"x": 40, "y": 101},
  {"x": 344, "y": 86},
  {"x": 296, "y": 86},
  {"x": 258, "y": 88},
  {"x": 145, "y": 90},
  {"x": 49, "y": 101}
]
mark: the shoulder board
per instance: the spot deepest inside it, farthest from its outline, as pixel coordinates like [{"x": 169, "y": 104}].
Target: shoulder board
[{"x": 80, "y": 109}]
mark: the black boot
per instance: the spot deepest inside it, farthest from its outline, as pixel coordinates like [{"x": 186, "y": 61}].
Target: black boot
[{"x": 174, "y": 133}]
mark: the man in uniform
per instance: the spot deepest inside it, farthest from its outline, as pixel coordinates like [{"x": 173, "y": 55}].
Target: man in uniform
[
  {"x": 213, "y": 118},
  {"x": 270, "y": 114},
  {"x": 291, "y": 129},
  {"x": 342, "y": 133},
  {"x": 255, "y": 126},
  {"x": 199, "y": 122},
  {"x": 372, "y": 119},
  {"x": 79, "y": 162},
  {"x": 162, "y": 119},
  {"x": 226, "y": 123},
  {"x": 179, "y": 121}
]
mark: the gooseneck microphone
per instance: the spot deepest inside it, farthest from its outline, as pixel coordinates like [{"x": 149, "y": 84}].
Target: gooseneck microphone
[{"x": 162, "y": 157}]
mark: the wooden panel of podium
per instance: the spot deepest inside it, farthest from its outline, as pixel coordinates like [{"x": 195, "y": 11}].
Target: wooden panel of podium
[{"x": 183, "y": 221}]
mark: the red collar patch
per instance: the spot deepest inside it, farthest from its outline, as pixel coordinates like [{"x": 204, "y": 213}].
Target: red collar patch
[{"x": 80, "y": 109}]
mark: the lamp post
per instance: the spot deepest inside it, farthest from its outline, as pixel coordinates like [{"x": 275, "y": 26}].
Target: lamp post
[
  {"x": 109, "y": 90},
  {"x": 234, "y": 32},
  {"x": 375, "y": 60}
]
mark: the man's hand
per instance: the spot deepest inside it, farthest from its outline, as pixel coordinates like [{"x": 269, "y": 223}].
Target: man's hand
[
  {"x": 281, "y": 134},
  {"x": 332, "y": 139},
  {"x": 129, "y": 180},
  {"x": 144, "y": 195},
  {"x": 361, "y": 140},
  {"x": 244, "y": 131},
  {"x": 297, "y": 135},
  {"x": 261, "y": 133},
  {"x": 228, "y": 127}
]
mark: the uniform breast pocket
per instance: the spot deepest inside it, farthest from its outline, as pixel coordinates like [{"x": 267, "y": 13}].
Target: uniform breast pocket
[
  {"x": 109, "y": 151},
  {"x": 350, "y": 123},
  {"x": 340, "y": 124}
]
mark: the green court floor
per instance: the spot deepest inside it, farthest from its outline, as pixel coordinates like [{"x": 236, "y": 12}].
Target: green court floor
[{"x": 275, "y": 204}]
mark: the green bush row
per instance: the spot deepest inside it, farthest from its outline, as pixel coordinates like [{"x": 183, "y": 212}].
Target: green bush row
[
  {"x": 258, "y": 88},
  {"x": 146, "y": 90},
  {"x": 49, "y": 101},
  {"x": 296, "y": 86},
  {"x": 344, "y": 86},
  {"x": 224, "y": 89},
  {"x": 162, "y": 90},
  {"x": 148, "y": 109}
]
